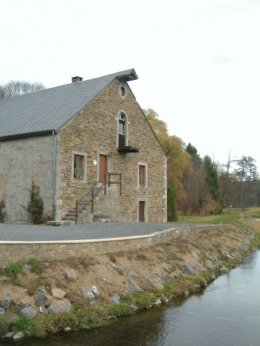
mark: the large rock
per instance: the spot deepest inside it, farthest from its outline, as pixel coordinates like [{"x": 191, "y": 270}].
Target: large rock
[
  {"x": 134, "y": 287},
  {"x": 188, "y": 269},
  {"x": 58, "y": 293},
  {"x": 9, "y": 335},
  {"x": 108, "y": 282},
  {"x": 87, "y": 294},
  {"x": 43, "y": 298},
  {"x": 118, "y": 269},
  {"x": 95, "y": 291},
  {"x": 70, "y": 274},
  {"x": 58, "y": 306},
  {"x": 90, "y": 294},
  {"x": 28, "y": 311},
  {"x": 18, "y": 336},
  {"x": 224, "y": 270},
  {"x": 116, "y": 299},
  {"x": 6, "y": 301},
  {"x": 210, "y": 265}
]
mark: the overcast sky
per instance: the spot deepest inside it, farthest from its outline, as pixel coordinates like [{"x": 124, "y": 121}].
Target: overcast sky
[{"x": 198, "y": 62}]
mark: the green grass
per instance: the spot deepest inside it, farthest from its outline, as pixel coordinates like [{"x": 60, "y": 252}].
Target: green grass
[
  {"x": 227, "y": 217},
  {"x": 142, "y": 300},
  {"x": 122, "y": 310},
  {"x": 13, "y": 270},
  {"x": 35, "y": 265},
  {"x": 253, "y": 213}
]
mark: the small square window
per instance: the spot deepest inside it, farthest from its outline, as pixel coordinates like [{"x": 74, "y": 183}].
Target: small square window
[{"x": 79, "y": 163}]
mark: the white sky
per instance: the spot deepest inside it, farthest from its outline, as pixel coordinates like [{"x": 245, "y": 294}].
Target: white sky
[{"x": 198, "y": 62}]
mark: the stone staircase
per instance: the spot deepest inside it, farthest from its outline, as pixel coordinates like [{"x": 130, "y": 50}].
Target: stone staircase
[{"x": 105, "y": 206}]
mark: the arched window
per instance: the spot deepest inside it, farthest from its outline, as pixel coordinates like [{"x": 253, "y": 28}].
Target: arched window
[
  {"x": 122, "y": 130},
  {"x": 122, "y": 91}
]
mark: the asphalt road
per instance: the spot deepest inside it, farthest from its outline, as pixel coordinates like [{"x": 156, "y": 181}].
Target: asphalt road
[{"x": 12, "y": 232}]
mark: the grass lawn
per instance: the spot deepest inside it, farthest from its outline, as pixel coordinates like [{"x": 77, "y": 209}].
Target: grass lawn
[{"x": 229, "y": 216}]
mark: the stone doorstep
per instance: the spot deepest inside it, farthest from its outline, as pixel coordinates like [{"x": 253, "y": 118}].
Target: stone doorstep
[
  {"x": 102, "y": 220},
  {"x": 60, "y": 223}
]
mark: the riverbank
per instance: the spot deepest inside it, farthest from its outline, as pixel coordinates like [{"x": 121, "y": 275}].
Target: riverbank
[{"x": 56, "y": 296}]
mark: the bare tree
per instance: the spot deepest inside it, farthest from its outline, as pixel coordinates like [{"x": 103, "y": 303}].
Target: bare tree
[
  {"x": 226, "y": 180},
  {"x": 240, "y": 183},
  {"x": 14, "y": 88},
  {"x": 246, "y": 175}
]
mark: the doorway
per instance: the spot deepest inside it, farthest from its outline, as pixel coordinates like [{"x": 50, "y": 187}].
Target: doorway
[{"x": 142, "y": 206}]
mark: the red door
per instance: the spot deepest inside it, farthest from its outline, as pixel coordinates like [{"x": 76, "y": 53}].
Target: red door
[{"x": 102, "y": 167}]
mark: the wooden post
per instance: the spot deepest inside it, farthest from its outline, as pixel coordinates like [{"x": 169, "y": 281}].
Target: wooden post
[
  {"x": 76, "y": 216},
  {"x": 120, "y": 188},
  {"x": 109, "y": 182},
  {"x": 105, "y": 184},
  {"x": 92, "y": 200}
]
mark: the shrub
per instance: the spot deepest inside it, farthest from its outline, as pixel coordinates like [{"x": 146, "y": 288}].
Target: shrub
[
  {"x": 171, "y": 204},
  {"x": 35, "y": 205},
  {"x": 2, "y": 212}
]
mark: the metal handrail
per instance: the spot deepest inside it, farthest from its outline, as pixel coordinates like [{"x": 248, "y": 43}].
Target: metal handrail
[
  {"x": 94, "y": 189},
  {"x": 92, "y": 193},
  {"x": 108, "y": 180}
]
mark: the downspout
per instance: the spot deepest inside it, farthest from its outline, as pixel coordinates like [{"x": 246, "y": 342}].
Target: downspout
[{"x": 54, "y": 183}]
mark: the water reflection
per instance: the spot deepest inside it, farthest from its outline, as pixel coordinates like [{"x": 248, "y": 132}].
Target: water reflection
[{"x": 226, "y": 314}]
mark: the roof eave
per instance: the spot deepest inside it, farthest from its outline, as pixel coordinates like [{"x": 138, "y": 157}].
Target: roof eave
[
  {"x": 27, "y": 135},
  {"x": 129, "y": 76}
]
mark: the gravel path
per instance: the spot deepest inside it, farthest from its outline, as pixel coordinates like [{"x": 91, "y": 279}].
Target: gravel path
[{"x": 77, "y": 232}]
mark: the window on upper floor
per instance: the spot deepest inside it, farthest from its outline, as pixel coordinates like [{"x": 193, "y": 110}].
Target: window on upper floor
[
  {"x": 122, "y": 130},
  {"x": 122, "y": 91}
]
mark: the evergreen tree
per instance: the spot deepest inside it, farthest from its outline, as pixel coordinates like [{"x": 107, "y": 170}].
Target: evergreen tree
[
  {"x": 194, "y": 154},
  {"x": 211, "y": 178}
]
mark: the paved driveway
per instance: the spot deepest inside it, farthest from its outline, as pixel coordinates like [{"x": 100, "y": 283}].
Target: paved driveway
[{"x": 77, "y": 232}]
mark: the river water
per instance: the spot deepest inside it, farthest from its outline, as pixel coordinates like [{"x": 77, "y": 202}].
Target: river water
[{"x": 227, "y": 313}]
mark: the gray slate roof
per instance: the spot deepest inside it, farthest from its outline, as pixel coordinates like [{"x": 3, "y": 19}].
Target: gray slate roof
[{"x": 49, "y": 109}]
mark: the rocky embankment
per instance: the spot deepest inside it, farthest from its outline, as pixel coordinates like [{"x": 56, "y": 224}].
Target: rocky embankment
[{"x": 37, "y": 298}]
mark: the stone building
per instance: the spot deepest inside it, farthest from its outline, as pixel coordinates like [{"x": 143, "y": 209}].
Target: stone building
[{"x": 89, "y": 149}]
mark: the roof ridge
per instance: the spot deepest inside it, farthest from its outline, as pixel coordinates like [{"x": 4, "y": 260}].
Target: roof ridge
[{"x": 119, "y": 73}]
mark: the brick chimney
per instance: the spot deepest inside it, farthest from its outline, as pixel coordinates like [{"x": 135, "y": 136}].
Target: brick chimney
[{"x": 76, "y": 79}]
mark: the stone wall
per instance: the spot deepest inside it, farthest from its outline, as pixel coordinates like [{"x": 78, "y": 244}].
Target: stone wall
[
  {"x": 61, "y": 250},
  {"x": 21, "y": 162},
  {"x": 94, "y": 131}
]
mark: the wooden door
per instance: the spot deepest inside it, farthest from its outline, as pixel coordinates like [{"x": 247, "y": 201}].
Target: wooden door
[
  {"x": 102, "y": 167},
  {"x": 141, "y": 211}
]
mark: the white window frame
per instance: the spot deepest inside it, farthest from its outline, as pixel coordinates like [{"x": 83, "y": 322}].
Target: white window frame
[
  {"x": 84, "y": 179},
  {"x": 146, "y": 175}
]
